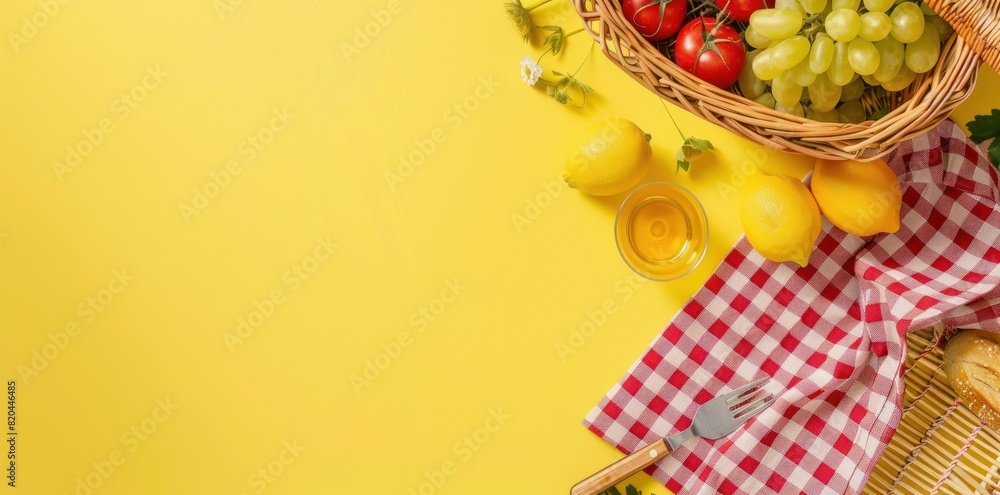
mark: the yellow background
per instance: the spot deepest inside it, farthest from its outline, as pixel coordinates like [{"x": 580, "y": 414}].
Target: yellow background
[{"x": 492, "y": 348}]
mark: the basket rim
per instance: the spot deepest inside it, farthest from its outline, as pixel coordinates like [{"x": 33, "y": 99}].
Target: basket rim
[{"x": 923, "y": 105}]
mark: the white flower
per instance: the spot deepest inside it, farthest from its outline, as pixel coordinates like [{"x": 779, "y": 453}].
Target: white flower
[{"x": 530, "y": 71}]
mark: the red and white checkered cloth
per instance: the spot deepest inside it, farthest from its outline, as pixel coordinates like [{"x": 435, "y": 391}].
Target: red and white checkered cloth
[{"x": 831, "y": 336}]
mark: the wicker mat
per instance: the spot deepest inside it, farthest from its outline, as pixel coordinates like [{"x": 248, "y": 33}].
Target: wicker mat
[{"x": 940, "y": 446}]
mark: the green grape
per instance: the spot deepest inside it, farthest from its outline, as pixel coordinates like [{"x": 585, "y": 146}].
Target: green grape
[
  {"x": 846, "y": 4},
  {"x": 878, "y": 5},
  {"x": 827, "y": 116},
  {"x": 907, "y": 22},
  {"x": 785, "y": 91},
  {"x": 781, "y": 57},
  {"x": 840, "y": 70},
  {"x": 750, "y": 85},
  {"x": 871, "y": 81},
  {"x": 795, "y": 5},
  {"x": 791, "y": 51},
  {"x": 821, "y": 54},
  {"x": 793, "y": 110},
  {"x": 851, "y": 113},
  {"x": 921, "y": 55},
  {"x": 874, "y": 26},
  {"x": 754, "y": 39},
  {"x": 801, "y": 73},
  {"x": 903, "y": 79},
  {"x": 767, "y": 100},
  {"x": 814, "y": 6},
  {"x": 852, "y": 91},
  {"x": 890, "y": 54},
  {"x": 776, "y": 24},
  {"x": 927, "y": 10},
  {"x": 763, "y": 66},
  {"x": 842, "y": 24},
  {"x": 824, "y": 94},
  {"x": 943, "y": 28},
  {"x": 863, "y": 56}
]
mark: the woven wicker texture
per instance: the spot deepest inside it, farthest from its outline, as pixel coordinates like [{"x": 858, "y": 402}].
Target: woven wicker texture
[
  {"x": 977, "y": 22},
  {"x": 940, "y": 447},
  {"x": 915, "y": 110}
]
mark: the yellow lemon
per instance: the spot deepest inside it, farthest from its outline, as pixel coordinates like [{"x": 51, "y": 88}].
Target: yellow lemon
[
  {"x": 612, "y": 157},
  {"x": 780, "y": 217},
  {"x": 861, "y": 198}
]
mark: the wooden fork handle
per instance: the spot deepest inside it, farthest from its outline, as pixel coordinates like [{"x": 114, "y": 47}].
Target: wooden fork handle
[{"x": 621, "y": 469}]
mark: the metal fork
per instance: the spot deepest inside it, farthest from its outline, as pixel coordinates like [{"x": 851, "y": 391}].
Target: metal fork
[{"x": 714, "y": 419}]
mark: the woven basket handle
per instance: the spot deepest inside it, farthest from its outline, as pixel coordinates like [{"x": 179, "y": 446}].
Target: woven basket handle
[{"x": 977, "y": 22}]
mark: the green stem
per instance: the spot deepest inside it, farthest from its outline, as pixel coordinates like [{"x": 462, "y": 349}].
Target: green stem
[
  {"x": 811, "y": 29},
  {"x": 546, "y": 82},
  {"x": 672, "y": 120},
  {"x": 707, "y": 5},
  {"x": 539, "y": 4},
  {"x": 589, "y": 51},
  {"x": 572, "y": 33},
  {"x": 539, "y": 61}
]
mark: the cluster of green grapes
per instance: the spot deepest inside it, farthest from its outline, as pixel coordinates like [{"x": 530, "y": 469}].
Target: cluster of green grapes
[{"x": 826, "y": 53}]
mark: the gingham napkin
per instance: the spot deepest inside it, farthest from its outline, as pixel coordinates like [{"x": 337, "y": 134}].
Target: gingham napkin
[{"x": 830, "y": 334}]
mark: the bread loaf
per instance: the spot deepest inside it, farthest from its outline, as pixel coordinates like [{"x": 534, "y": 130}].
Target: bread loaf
[{"x": 972, "y": 363}]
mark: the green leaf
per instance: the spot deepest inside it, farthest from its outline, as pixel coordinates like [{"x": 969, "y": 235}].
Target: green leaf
[
  {"x": 571, "y": 81},
  {"x": 519, "y": 17},
  {"x": 556, "y": 39},
  {"x": 690, "y": 151},
  {"x": 994, "y": 152},
  {"x": 984, "y": 127},
  {"x": 631, "y": 490}
]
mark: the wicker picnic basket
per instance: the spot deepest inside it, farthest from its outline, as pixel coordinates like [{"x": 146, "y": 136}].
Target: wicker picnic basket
[
  {"x": 913, "y": 111},
  {"x": 940, "y": 445}
]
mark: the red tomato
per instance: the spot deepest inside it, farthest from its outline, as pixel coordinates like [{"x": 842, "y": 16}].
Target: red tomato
[
  {"x": 655, "y": 20},
  {"x": 740, "y": 10},
  {"x": 711, "y": 51}
]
